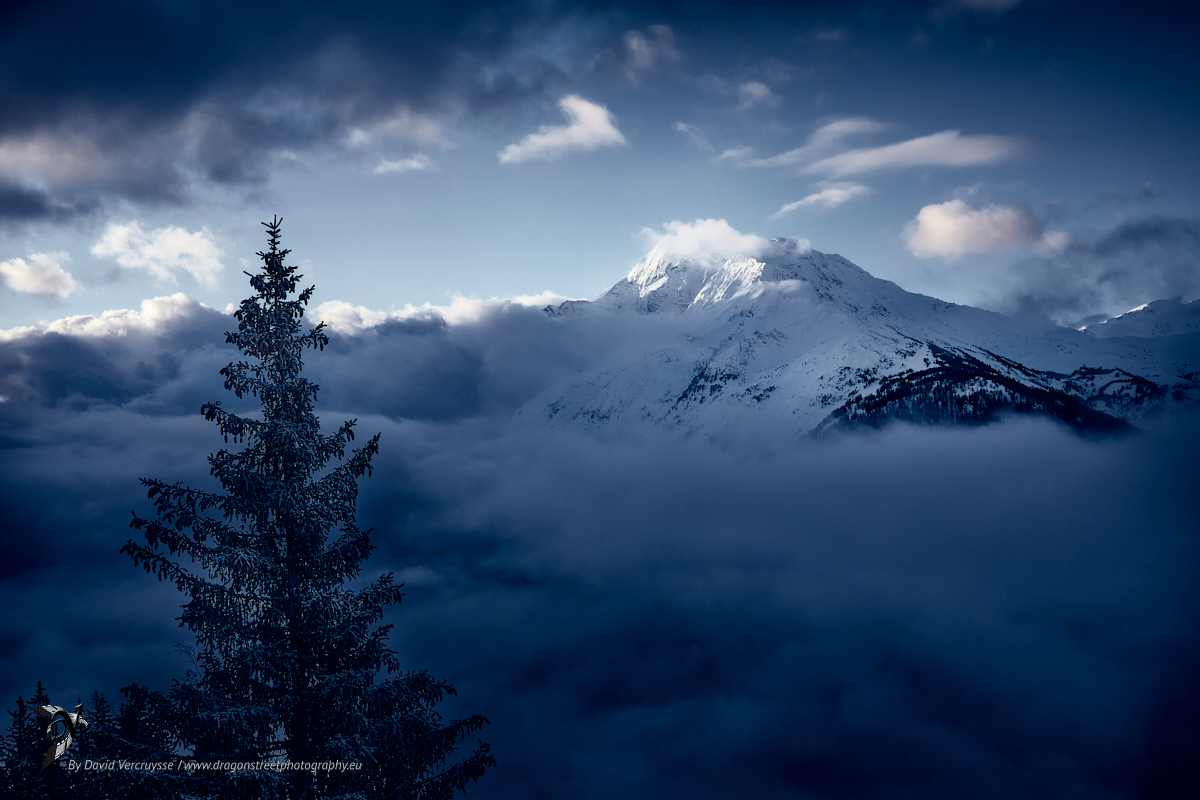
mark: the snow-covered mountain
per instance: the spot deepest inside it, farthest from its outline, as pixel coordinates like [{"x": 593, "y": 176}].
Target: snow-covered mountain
[
  {"x": 806, "y": 342},
  {"x": 1159, "y": 318}
]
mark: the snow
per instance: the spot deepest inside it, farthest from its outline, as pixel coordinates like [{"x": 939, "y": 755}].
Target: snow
[
  {"x": 1151, "y": 320},
  {"x": 784, "y": 335}
]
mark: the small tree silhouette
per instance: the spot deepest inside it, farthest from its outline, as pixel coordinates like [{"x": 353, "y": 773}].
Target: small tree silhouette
[{"x": 288, "y": 660}]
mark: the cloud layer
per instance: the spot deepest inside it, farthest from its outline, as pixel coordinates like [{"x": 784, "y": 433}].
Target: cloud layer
[{"x": 999, "y": 612}]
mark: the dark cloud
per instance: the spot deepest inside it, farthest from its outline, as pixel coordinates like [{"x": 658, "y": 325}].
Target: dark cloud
[
  {"x": 171, "y": 96},
  {"x": 1137, "y": 262},
  {"x": 166, "y": 93},
  {"x": 1115, "y": 199},
  {"x": 22, "y": 204},
  {"x": 998, "y": 612}
]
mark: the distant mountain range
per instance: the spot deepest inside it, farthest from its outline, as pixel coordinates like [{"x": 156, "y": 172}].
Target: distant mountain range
[{"x": 809, "y": 342}]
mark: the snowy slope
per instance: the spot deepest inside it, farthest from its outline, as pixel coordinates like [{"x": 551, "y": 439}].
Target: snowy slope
[
  {"x": 805, "y": 341},
  {"x": 1160, "y": 318}
]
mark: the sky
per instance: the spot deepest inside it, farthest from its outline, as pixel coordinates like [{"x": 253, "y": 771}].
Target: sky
[
  {"x": 994, "y": 612},
  {"x": 962, "y": 148}
]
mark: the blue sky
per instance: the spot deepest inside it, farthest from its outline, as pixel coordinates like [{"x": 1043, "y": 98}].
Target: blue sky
[{"x": 965, "y": 148}]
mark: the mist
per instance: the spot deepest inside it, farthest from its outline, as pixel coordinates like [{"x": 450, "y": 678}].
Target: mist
[{"x": 1000, "y": 611}]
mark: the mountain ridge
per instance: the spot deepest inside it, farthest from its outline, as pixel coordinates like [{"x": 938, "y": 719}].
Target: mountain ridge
[{"x": 813, "y": 342}]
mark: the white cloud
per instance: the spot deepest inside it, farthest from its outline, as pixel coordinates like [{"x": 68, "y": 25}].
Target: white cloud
[
  {"x": 42, "y": 275},
  {"x": 828, "y": 197},
  {"x": 755, "y": 94},
  {"x": 157, "y": 314},
  {"x": 402, "y": 125},
  {"x": 944, "y": 149},
  {"x": 417, "y": 163},
  {"x": 704, "y": 238},
  {"x": 590, "y": 127},
  {"x": 694, "y": 135},
  {"x": 823, "y": 140},
  {"x": 951, "y": 229},
  {"x": 340, "y": 316},
  {"x": 162, "y": 251},
  {"x": 736, "y": 153}
]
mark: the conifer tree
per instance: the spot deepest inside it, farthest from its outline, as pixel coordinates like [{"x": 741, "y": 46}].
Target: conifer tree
[{"x": 289, "y": 662}]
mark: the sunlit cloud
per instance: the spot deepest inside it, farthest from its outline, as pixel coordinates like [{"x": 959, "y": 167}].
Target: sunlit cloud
[
  {"x": 343, "y": 317},
  {"x": 952, "y": 229},
  {"x": 704, "y": 238},
  {"x": 162, "y": 252},
  {"x": 42, "y": 275},
  {"x": 591, "y": 126},
  {"x": 157, "y": 314}
]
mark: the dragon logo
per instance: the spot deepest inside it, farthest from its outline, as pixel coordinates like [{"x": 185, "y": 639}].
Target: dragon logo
[{"x": 60, "y": 736}]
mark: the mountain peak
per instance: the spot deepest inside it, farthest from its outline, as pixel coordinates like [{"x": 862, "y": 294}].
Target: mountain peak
[
  {"x": 805, "y": 341},
  {"x": 670, "y": 281},
  {"x": 1150, "y": 320}
]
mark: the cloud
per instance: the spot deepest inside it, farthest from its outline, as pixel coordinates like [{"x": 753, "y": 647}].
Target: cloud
[
  {"x": 86, "y": 122},
  {"x": 985, "y": 6},
  {"x": 418, "y": 163},
  {"x": 343, "y": 317},
  {"x": 42, "y": 275},
  {"x": 157, "y": 314},
  {"x": 25, "y": 204},
  {"x": 57, "y": 174},
  {"x": 162, "y": 251},
  {"x": 754, "y": 94},
  {"x": 401, "y": 125},
  {"x": 642, "y": 52},
  {"x": 699, "y": 619},
  {"x": 945, "y": 149},
  {"x": 828, "y": 197},
  {"x": 1157, "y": 258},
  {"x": 740, "y": 153},
  {"x": 590, "y": 127},
  {"x": 836, "y": 35},
  {"x": 694, "y": 135},
  {"x": 823, "y": 140},
  {"x": 707, "y": 619},
  {"x": 66, "y": 157},
  {"x": 703, "y": 238},
  {"x": 950, "y": 230}
]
